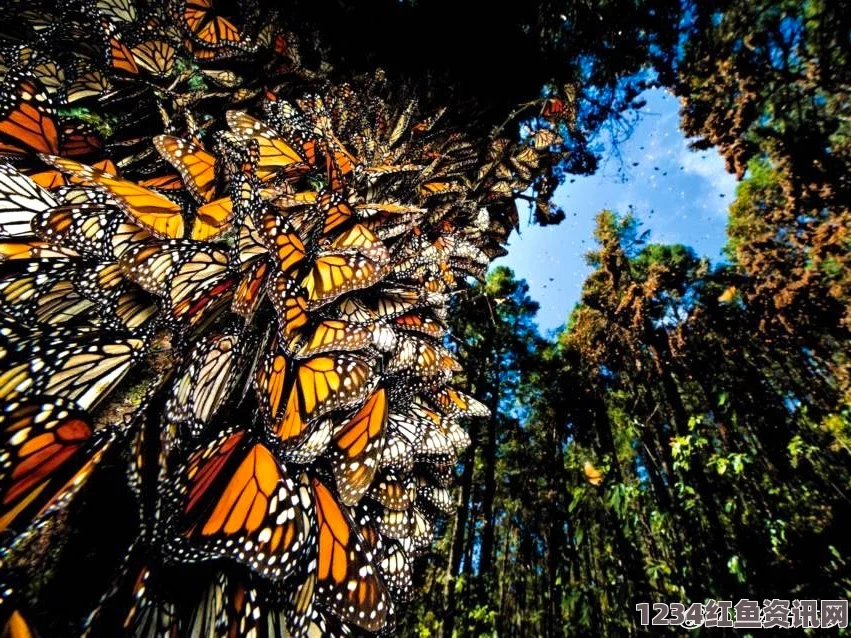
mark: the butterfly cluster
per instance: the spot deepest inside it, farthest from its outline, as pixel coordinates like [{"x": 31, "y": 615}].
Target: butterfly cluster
[{"x": 228, "y": 278}]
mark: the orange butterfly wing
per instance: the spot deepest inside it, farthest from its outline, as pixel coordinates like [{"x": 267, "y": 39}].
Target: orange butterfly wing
[
  {"x": 156, "y": 213},
  {"x": 347, "y": 582},
  {"x": 357, "y": 446},
  {"x": 238, "y": 500},
  {"x": 28, "y": 123},
  {"x": 43, "y": 457},
  {"x": 196, "y": 166}
]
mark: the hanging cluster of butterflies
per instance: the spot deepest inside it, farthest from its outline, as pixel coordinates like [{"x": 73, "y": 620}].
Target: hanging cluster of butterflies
[{"x": 234, "y": 302}]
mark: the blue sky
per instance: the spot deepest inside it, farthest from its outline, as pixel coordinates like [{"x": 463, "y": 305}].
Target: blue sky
[{"x": 681, "y": 196}]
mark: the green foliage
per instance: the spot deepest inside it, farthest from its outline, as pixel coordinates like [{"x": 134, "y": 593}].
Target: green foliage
[{"x": 659, "y": 449}]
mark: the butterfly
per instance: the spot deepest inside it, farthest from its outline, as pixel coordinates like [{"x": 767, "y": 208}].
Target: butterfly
[
  {"x": 155, "y": 56},
  {"x": 321, "y": 384},
  {"x": 196, "y": 166},
  {"x": 251, "y": 288},
  {"x": 207, "y": 27},
  {"x": 75, "y": 364},
  {"x": 436, "y": 496},
  {"x": 117, "y": 10},
  {"x": 236, "y": 500},
  {"x": 203, "y": 385},
  {"x": 455, "y": 403},
  {"x": 120, "y": 57},
  {"x": 27, "y": 118},
  {"x": 277, "y": 158},
  {"x": 43, "y": 291},
  {"x": 93, "y": 230},
  {"x": 356, "y": 448},
  {"x": 347, "y": 582},
  {"x": 397, "y": 571},
  {"x": 191, "y": 278},
  {"x": 290, "y": 302},
  {"x": 282, "y": 240},
  {"x": 138, "y": 603},
  {"x": 417, "y": 357},
  {"x": 20, "y": 199},
  {"x": 336, "y": 272},
  {"x": 49, "y": 448},
  {"x": 156, "y": 213},
  {"x": 332, "y": 335},
  {"x": 91, "y": 83},
  {"x": 421, "y": 323}
]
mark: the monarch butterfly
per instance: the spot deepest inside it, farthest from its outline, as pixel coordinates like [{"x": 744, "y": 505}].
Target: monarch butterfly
[
  {"x": 170, "y": 182},
  {"x": 156, "y": 213},
  {"x": 203, "y": 385},
  {"x": 49, "y": 448},
  {"x": 360, "y": 238},
  {"x": 89, "y": 84},
  {"x": 417, "y": 357},
  {"x": 391, "y": 493},
  {"x": 455, "y": 403},
  {"x": 207, "y": 27},
  {"x": 334, "y": 335},
  {"x": 277, "y": 158},
  {"x": 390, "y": 523},
  {"x": 117, "y": 10},
  {"x": 434, "y": 495},
  {"x": 398, "y": 300},
  {"x": 397, "y": 571},
  {"x": 49, "y": 180},
  {"x": 405, "y": 433},
  {"x": 29, "y": 248},
  {"x": 20, "y": 199},
  {"x": 196, "y": 166},
  {"x": 79, "y": 365},
  {"x": 237, "y": 500},
  {"x": 290, "y": 302},
  {"x": 347, "y": 582},
  {"x": 356, "y": 448},
  {"x": 121, "y": 58},
  {"x": 321, "y": 384},
  {"x": 421, "y": 323},
  {"x": 439, "y": 188},
  {"x": 150, "y": 616},
  {"x": 137, "y": 604},
  {"x": 212, "y": 220},
  {"x": 27, "y": 122},
  {"x": 94, "y": 230},
  {"x": 251, "y": 288},
  {"x": 50, "y": 74},
  {"x": 43, "y": 291},
  {"x": 337, "y": 272},
  {"x": 222, "y": 77},
  {"x": 191, "y": 278},
  {"x": 282, "y": 240},
  {"x": 421, "y": 531},
  {"x": 155, "y": 56}
]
